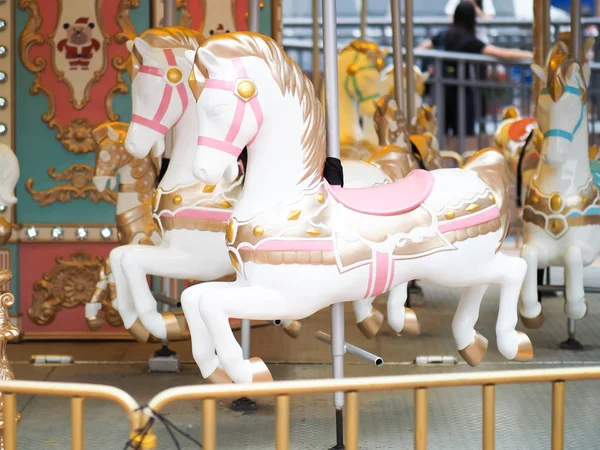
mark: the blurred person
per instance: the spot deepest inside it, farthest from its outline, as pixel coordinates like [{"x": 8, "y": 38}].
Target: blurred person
[
  {"x": 461, "y": 37},
  {"x": 484, "y": 9}
]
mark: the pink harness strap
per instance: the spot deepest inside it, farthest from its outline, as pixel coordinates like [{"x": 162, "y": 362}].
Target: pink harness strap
[
  {"x": 155, "y": 123},
  {"x": 227, "y": 145}
]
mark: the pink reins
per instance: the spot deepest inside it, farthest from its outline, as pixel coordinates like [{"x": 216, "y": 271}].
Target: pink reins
[
  {"x": 155, "y": 122},
  {"x": 227, "y": 145}
]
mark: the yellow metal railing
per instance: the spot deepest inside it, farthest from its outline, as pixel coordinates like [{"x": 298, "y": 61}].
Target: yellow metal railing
[
  {"x": 78, "y": 392},
  {"x": 282, "y": 391}
]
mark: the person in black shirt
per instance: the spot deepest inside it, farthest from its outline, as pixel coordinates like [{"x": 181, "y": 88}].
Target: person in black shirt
[{"x": 461, "y": 37}]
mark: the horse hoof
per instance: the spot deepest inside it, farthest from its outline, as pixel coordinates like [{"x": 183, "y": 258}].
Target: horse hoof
[
  {"x": 140, "y": 334},
  {"x": 219, "y": 376},
  {"x": 176, "y": 325},
  {"x": 475, "y": 351},
  {"x": 293, "y": 329},
  {"x": 533, "y": 323},
  {"x": 525, "y": 349},
  {"x": 411, "y": 323},
  {"x": 260, "y": 372},
  {"x": 371, "y": 324},
  {"x": 94, "y": 323},
  {"x": 576, "y": 310}
]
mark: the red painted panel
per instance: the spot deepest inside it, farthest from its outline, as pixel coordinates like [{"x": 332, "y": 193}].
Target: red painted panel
[{"x": 38, "y": 259}]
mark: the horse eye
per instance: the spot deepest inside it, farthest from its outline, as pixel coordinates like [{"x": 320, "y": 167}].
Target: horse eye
[
  {"x": 65, "y": 26},
  {"x": 211, "y": 32}
]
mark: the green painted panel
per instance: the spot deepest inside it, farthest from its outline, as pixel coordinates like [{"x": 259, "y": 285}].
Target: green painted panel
[
  {"x": 265, "y": 18},
  {"x": 37, "y": 147}
]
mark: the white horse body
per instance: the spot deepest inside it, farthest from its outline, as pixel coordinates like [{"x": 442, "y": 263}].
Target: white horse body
[{"x": 299, "y": 245}]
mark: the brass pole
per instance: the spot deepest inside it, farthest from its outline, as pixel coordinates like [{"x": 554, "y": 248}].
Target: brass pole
[
  {"x": 352, "y": 422},
  {"x": 489, "y": 417},
  {"x": 10, "y": 422},
  {"x": 277, "y": 21},
  {"x": 209, "y": 424},
  {"x": 316, "y": 55},
  {"x": 363, "y": 19},
  {"x": 410, "y": 62},
  {"x": 397, "y": 47},
  {"x": 282, "y": 422},
  {"x": 558, "y": 415},
  {"x": 575, "y": 29},
  {"x": 420, "y": 419},
  {"x": 77, "y": 431}
]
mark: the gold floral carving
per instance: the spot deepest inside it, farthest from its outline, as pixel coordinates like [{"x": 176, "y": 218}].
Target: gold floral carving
[
  {"x": 71, "y": 283},
  {"x": 8, "y": 332},
  {"x": 80, "y": 176},
  {"x": 76, "y": 135}
]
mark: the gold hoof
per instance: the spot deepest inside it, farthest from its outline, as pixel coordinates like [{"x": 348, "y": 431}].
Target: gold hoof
[
  {"x": 411, "y": 323},
  {"x": 94, "y": 323},
  {"x": 475, "y": 351},
  {"x": 140, "y": 334},
  {"x": 177, "y": 328},
  {"x": 370, "y": 326},
  {"x": 293, "y": 329},
  {"x": 219, "y": 376},
  {"x": 525, "y": 351},
  {"x": 533, "y": 323},
  {"x": 260, "y": 372}
]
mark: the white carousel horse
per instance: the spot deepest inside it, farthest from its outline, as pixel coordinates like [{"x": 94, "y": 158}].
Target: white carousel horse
[
  {"x": 191, "y": 215},
  {"x": 299, "y": 244},
  {"x": 9, "y": 175},
  {"x": 562, "y": 208},
  {"x": 388, "y": 84},
  {"x": 137, "y": 182}
]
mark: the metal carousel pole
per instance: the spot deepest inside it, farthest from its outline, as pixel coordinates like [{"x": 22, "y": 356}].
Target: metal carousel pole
[
  {"x": 572, "y": 343},
  {"x": 244, "y": 403},
  {"x": 363, "y": 19},
  {"x": 410, "y": 62},
  {"x": 397, "y": 48},
  {"x": 165, "y": 359},
  {"x": 330, "y": 58},
  {"x": 316, "y": 55}
]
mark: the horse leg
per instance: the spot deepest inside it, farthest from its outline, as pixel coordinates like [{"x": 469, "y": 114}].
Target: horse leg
[
  {"x": 513, "y": 344},
  {"x": 575, "y": 306},
  {"x": 531, "y": 308},
  {"x": 125, "y": 304},
  {"x": 254, "y": 302},
  {"x": 291, "y": 328},
  {"x": 402, "y": 319},
  {"x": 368, "y": 319},
  {"x": 139, "y": 261},
  {"x": 471, "y": 345},
  {"x": 203, "y": 348}
]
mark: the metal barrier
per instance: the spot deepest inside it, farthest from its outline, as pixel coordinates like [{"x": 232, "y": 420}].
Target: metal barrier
[
  {"x": 78, "y": 392},
  {"x": 352, "y": 387}
]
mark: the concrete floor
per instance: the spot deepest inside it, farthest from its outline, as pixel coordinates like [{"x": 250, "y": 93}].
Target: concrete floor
[{"x": 523, "y": 412}]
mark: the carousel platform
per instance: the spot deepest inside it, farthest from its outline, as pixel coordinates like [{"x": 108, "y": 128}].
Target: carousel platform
[{"x": 386, "y": 421}]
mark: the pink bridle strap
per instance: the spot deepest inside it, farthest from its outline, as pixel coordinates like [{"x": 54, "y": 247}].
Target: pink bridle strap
[
  {"x": 155, "y": 123},
  {"x": 227, "y": 145}
]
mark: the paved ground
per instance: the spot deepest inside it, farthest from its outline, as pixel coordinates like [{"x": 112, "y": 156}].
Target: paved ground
[{"x": 523, "y": 412}]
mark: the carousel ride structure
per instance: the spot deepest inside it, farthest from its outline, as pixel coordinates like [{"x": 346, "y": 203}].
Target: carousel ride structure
[{"x": 273, "y": 253}]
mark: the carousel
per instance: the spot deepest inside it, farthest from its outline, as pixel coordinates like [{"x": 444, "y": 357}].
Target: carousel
[{"x": 192, "y": 240}]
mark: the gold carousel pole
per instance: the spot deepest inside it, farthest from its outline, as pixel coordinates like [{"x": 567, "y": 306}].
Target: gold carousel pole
[
  {"x": 541, "y": 39},
  {"x": 363, "y": 19},
  {"x": 277, "y": 21},
  {"x": 8, "y": 332},
  {"x": 410, "y": 62}
]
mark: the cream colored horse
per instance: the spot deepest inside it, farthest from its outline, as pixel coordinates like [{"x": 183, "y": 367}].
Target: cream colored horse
[{"x": 9, "y": 175}]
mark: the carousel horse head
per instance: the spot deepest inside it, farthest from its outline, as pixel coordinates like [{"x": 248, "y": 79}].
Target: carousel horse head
[
  {"x": 388, "y": 83},
  {"x": 360, "y": 66},
  {"x": 160, "y": 95},
  {"x": 110, "y": 153},
  {"x": 9, "y": 175},
  {"x": 237, "y": 79},
  {"x": 562, "y": 110}
]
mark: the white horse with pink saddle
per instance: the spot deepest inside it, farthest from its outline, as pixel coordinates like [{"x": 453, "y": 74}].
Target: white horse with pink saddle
[{"x": 299, "y": 244}]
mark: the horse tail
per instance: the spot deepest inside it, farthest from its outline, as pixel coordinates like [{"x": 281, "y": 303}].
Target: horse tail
[{"x": 492, "y": 167}]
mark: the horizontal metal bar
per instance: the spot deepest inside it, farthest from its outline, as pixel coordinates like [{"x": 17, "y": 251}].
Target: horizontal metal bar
[
  {"x": 561, "y": 288},
  {"x": 371, "y": 384},
  {"x": 161, "y": 298},
  {"x": 352, "y": 349}
]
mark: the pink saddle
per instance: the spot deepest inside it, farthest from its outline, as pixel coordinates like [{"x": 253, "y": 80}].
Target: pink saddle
[{"x": 389, "y": 199}]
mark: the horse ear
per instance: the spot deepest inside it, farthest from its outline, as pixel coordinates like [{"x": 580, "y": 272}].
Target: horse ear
[
  {"x": 144, "y": 49},
  {"x": 112, "y": 133},
  {"x": 539, "y": 72},
  {"x": 207, "y": 59},
  {"x": 129, "y": 44},
  {"x": 99, "y": 133},
  {"x": 425, "y": 76},
  {"x": 196, "y": 79},
  {"x": 189, "y": 56},
  {"x": 587, "y": 73}
]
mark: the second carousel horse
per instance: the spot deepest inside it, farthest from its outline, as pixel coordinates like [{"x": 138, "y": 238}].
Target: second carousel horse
[
  {"x": 562, "y": 208},
  {"x": 137, "y": 182},
  {"x": 299, "y": 244}
]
